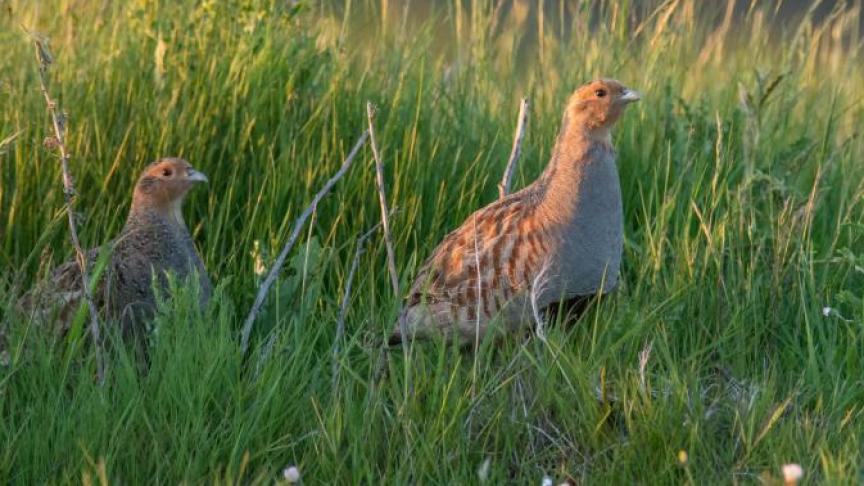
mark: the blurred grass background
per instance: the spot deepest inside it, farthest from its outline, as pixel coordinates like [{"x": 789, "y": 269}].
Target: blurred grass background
[{"x": 736, "y": 334}]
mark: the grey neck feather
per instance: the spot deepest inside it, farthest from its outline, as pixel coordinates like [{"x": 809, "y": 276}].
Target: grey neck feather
[
  {"x": 147, "y": 216},
  {"x": 580, "y": 200},
  {"x": 581, "y": 174}
]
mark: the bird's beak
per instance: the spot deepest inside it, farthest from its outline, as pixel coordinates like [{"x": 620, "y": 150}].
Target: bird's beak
[
  {"x": 195, "y": 176},
  {"x": 629, "y": 96}
]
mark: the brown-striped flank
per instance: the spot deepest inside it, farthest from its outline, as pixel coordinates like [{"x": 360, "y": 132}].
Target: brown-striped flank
[{"x": 558, "y": 238}]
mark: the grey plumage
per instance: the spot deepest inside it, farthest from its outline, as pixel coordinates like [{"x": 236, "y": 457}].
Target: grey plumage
[
  {"x": 153, "y": 243},
  {"x": 559, "y": 238}
]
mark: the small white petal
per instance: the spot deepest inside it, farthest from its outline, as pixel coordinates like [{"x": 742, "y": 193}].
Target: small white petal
[
  {"x": 792, "y": 473},
  {"x": 826, "y": 311},
  {"x": 547, "y": 481},
  {"x": 483, "y": 471},
  {"x": 291, "y": 474}
]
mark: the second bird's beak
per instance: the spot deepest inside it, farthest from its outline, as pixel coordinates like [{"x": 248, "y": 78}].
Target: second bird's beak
[
  {"x": 629, "y": 96},
  {"x": 195, "y": 176}
]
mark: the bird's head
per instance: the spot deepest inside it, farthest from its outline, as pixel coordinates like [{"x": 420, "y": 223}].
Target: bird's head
[
  {"x": 598, "y": 105},
  {"x": 164, "y": 183}
]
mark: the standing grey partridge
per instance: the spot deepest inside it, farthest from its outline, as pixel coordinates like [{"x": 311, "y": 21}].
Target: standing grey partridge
[
  {"x": 559, "y": 238},
  {"x": 153, "y": 242}
]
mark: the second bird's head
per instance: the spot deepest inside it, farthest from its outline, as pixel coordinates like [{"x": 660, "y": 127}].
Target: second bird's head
[
  {"x": 599, "y": 104},
  {"x": 165, "y": 182}
]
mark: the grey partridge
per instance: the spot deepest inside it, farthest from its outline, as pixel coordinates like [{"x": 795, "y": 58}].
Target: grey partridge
[
  {"x": 556, "y": 239},
  {"x": 154, "y": 241}
]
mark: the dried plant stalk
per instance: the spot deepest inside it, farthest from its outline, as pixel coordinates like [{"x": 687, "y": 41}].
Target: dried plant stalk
[
  {"x": 507, "y": 179},
  {"x": 382, "y": 199},
  {"x": 385, "y": 219},
  {"x": 58, "y": 141}
]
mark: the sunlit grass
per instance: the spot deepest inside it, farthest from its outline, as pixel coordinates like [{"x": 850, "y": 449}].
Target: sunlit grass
[{"x": 742, "y": 177}]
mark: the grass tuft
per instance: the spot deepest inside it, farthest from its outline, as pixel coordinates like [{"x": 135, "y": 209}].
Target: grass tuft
[{"x": 742, "y": 175}]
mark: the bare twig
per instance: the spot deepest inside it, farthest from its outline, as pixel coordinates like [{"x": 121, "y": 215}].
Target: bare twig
[
  {"x": 346, "y": 295},
  {"x": 385, "y": 219},
  {"x": 58, "y": 121},
  {"x": 504, "y": 185},
  {"x": 382, "y": 199},
  {"x": 295, "y": 233}
]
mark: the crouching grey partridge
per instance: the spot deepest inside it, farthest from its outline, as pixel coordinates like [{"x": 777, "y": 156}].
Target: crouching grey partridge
[
  {"x": 153, "y": 243},
  {"x": 557, "y": 239}
]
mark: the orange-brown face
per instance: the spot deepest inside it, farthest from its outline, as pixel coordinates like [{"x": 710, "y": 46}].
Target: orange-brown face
[
  {"x": 599, "y": 103},
  {"x": 166, "y": 181}
]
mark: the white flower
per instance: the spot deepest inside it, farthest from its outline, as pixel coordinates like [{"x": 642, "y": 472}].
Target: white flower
[
  {"x": 483, "y": 471},
  {"x": 291, "y": 474},
  {"x": 792, "y": 473},
  {"x": 547, "y": 481},
  {"x": 826, "y": 311}
]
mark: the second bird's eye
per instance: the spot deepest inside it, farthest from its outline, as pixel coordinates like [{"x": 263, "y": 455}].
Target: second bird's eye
[
  {"x": 166, "y": 172},
  {"x": 600, "y": 93}
]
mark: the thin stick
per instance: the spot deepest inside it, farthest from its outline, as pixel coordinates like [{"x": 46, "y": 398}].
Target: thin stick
[
  {"x": 382, "y": 199},
  {"x": 58, "y": 121},
  {"x": 385, "y": 219},
  {"x": 295, "y": 233},
  {"x": 346, "y": 295},
  {"x": 504, "y": 185}
]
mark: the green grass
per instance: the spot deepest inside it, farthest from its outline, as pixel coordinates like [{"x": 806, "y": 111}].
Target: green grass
[{"x": 742, "y": 175}]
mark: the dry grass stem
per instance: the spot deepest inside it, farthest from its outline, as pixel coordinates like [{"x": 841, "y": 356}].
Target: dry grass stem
[
  {"x": 537, "y": 287},
  {"x": 479, "y": 310},
  {"x": 385, "y": 219},
  {"x": 504, "y": 185},
  {"x": 7, "y": 142},
  {"x": 644, "y": 356},
  {"x": 382, "y": 199},
  {"x": 58, "y": 141}
]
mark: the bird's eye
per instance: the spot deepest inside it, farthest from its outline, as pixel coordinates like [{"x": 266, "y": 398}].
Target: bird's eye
[
  {"x": 600, "y": 93},
  {"x": 167, "y": 172}
]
